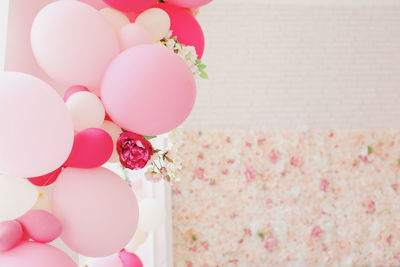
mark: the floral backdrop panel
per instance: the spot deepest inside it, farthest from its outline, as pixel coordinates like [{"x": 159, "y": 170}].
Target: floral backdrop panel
[{"x": 278, "y": 198}]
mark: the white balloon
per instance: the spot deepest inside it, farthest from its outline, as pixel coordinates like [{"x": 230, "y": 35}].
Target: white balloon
[
  {"x": 134, "y": 34},
  {"x": 44, "y": 200},
  {"x": 109, "y": 261},
  {"x": 151, "y": 215},
  {"x": 136, "y": 241},
  {"x": 114, "y": 131},
  {"x": 115, "y": 17},
  {"x": 86, "y": 110},
  {"x": 156, "y": 21},
  {"x": 17, "y": 196}
]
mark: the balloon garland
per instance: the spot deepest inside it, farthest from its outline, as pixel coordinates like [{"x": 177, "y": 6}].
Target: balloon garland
[{"x": 130, "y": 68}]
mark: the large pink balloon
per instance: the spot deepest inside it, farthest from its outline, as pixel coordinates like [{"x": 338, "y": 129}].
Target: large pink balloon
[
  {"x": 148, "y": 90},
  {"x": 185, "y": 26},
  {"x": 188, "y": 3},
  {"x": 40, "y": 225},
  {"x": 92, "y": 148},
  {"x": 131, "y": 5},
  {"x": 31, "y": 254},
  {"x": 73, "y": 43},
  {"x": 37, "y": 133},
  {"x": 98, "y": 211}
]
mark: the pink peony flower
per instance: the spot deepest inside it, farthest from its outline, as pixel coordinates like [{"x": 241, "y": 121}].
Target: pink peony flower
[{"x": 134, "y": 151}]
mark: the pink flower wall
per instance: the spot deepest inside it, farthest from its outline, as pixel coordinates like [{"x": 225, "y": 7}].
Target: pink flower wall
[{"x": 278, "y": 198}]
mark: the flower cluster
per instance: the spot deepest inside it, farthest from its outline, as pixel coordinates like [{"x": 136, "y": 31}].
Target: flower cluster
[
  {"x": 163, "y": 165},
  {"x": 187, "y": 53}
]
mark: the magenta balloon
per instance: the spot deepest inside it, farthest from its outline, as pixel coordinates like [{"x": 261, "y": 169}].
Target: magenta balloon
[
  {"x": 185, "y": 26},
  {"x": 98, "y": 210},
  {"x": 32, "y": 254},
  {"x": 130, "y": 259},
  {"x": 188, "y": 3},
  {"x": 92, "y": 148},
  {"x": 10, "y": 234},
  {"x": 148, "y": 90},
  {"x": 131, "y": 5},
  {"x": 74, "y": 89},
  {"x": 40, "y": 225}
]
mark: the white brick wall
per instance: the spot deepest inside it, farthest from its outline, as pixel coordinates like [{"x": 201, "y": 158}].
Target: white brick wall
[{"x": 333, "y": 64}]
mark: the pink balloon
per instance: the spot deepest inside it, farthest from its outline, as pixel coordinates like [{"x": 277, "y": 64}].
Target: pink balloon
[
  {"x": 32, "y": 254},
  {"x": 148, "y": 90},
  {"x": 46, "y": 179},
  {"x": 37, "y": 131},
  {"x": 10, "y": 235},
  {"x": 73, "y": 43},
  {"x": 92, "y": 148},
  {"x": 131, "y": 5},
  {"x": 188, "y": 3},
  {"x": 130, "y": 259},
  {"x": 98, "y": 211},
  {"x": 185, "y": 26},
  {"x": 134, "y": 34},
  {"x": 40, "y": 225},
  {"x": 74, "y": 89},
  {"x": 99, "y": 4}
]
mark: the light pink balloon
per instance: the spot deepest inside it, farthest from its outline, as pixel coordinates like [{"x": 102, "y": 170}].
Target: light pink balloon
[
  {"x": 134, "y": 34},
  {"x": 37, "y": 133},
  {"x": 40, "y": 225},
  {"x": 98, "y": 211},
  {"x": 73, "y": 43},
  {"x": 32, "y": 254},
  {"x": 10, "y": 235},
  {"x": 148, "y": 90},
  {"x": 92, "y": 148},
  {"x": 188, "y": 3}
]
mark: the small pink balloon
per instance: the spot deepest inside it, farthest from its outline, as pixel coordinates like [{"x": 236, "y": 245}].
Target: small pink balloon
[
  {"x": 148, "y": 90},
  {"x": 185, "y": 26},
  {"x": 10, "y": 235},
  {"x": 40, "y": 225},
  {"x": 92, "y": 148},
  {"x": 130, "y": 259},
  {"x": 131, "y": 5},
  {"x": 32, "y": 254},
  {"x": 74, "y": 89},
  {"x": 46, "y": 179},
  {"x": 188, "y": 3},
  {"x": 97, "y": 209}
]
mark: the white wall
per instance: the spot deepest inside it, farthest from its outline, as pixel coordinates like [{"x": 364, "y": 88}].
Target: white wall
[
  {"x": 3, "y": 30},
  {"x": 302, "y": 63}
]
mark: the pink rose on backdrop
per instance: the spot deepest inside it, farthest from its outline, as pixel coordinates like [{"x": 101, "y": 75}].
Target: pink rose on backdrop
[{"x": 134, "y": 151}]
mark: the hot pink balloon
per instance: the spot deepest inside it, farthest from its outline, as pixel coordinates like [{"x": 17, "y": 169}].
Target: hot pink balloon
[
  {"x": 185, "y": 26},
  {"x": 99, "y": 4},
  {"x": 148, "y": 90},
  {"x": 46, "y": 179},
  {"x": 131, "y": 5},
  {"x": 32, "y": 254},
  {"x": 10, "y": 235},
  {"x": 74, "y": 89},
  {"x": 92, "y": 148},
  {"x": 188, "y": 3},
  {"x": 37, "y": 131},
  {"x": 130, "y": 259},
  {"x": 40, "y": 225},
  {"x": 98, "y": 210}
]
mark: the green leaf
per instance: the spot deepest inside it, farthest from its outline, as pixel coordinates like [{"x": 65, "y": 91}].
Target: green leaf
[
  {"x": 194, "y": 238},
  {"x": 149, "y": 137},
  {"x": 204, "y": 75},
  {"x": 198, "y": 61},
  {"x": 260, "y": 234},
  {"x": 155, "y": 151},
  {"x": 370, "y": 150},
  {"x": 201, "y": 66}
]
